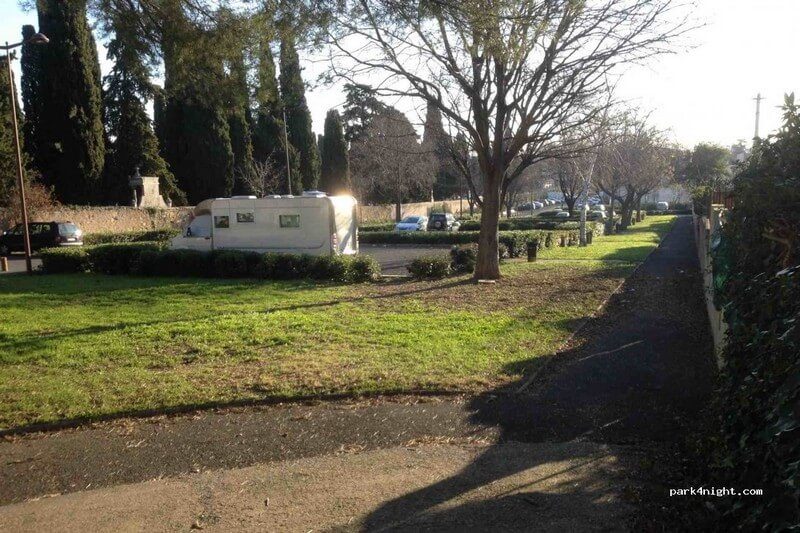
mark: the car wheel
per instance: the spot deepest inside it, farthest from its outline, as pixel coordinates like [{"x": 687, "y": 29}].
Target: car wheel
[{"x": 4, "y": 251}]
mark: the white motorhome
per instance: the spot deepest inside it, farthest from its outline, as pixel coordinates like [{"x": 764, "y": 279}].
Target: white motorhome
[{"x": 313, "y": 223}]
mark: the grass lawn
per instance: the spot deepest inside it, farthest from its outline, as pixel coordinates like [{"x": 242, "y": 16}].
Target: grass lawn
[{"x": 76, "y": 346}]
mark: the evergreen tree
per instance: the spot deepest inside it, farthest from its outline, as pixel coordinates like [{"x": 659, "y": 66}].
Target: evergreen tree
[
  {"x": 194, "y": 124},
  {"x": 335, "y": 164},
  {"x": 360, "y": 108},
  {"x": 134, "y": 143},
  {"x": 159, "y": 116},
  {"x": 68, "y": 140},
  {"x": 437, "y": 142},
  {"x": 31, "y": 89},
  {"x": 269, "y": 142},
  {"x": 8, "y": 155},
  {"x": 298, "y": 117},
  {"x": 239, "y": 121}
]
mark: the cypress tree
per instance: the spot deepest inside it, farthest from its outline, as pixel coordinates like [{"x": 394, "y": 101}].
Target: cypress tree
[
  {"x": 298, "y": 117},
  {"x": 335, "y": 164},
  {"x": 134, "y": 142},
  {"x": 68, "y": 139},
  {"x": 268, "y": 135},
  {"x": 437, "y": 142},
  {"x": 194, "y": 125},
  {"x": 31, "y": 89},
  {"x": 239, "y": 120}
]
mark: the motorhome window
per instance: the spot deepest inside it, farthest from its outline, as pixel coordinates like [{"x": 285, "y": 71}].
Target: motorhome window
[
  {"x": 222, "y": 221},
  {"x": 245, "y": 218},
  {"x": 290, "y": 221}
]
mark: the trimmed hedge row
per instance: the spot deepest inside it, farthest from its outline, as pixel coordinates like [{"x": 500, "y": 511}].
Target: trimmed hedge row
[
  {"x": 515, "y": 242},
  {"x": 534, "y": 223},
  {"x": 130, "y": 236},
  {"x": 150, "y": 259},
  {"x": 376, "y": 226}
]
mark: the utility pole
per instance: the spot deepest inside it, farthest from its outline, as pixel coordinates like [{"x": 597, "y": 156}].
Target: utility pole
[
  {"x": 758, "y": 100},
  {"x": 37, "y": 39}
]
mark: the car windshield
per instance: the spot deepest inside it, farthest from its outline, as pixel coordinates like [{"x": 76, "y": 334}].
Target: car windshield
[
  {"x": 67, "y": 229},
  {"x": 410, "y": 220}
]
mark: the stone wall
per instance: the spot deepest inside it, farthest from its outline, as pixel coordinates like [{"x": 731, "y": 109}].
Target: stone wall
[
  {"x": 383, "y": 213},
  {"x": 116, "y": 219},
  {"x": 122, "y": 219}
]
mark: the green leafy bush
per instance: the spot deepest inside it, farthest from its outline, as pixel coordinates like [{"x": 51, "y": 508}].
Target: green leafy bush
[
  {"x": 175, "y": 263},
  {"x": 150, "y": 259},
  {"x": 160, "y": 235},
  {"x": 429, "y": 267},
  {"x": 64, "y": 260},
  {"x": 757, "y": 271},
  {"x": 121, "y": 258},
  {"x": 361, "y": 268},
  {"x": 230, "y": 264},
  {"x": 464, "y": 257}
]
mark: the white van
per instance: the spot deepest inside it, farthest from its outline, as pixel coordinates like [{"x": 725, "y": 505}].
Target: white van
[{"x": 313, "y": 223}]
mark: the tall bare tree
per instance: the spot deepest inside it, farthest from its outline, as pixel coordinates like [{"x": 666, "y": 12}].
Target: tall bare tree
[
  {"x": 387, "y": 160},
  {"x": 636, "y": 162},
  {"x": 534, "y": 68}
]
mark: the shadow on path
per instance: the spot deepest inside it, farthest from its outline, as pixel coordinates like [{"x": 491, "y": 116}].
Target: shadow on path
[{"x": 640, "y": 374}]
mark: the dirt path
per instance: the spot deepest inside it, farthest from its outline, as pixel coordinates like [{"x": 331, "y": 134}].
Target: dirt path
[{"x": 573, "y": 451}]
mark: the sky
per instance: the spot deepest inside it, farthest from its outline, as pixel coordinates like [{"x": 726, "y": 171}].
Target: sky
[{"x": 702, "y": 93}]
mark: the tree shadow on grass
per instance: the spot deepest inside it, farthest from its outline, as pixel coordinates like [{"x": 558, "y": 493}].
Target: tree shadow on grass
[{"x": 634, "y": 379}]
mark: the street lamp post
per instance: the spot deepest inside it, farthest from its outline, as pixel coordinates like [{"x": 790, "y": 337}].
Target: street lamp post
[{"x": 39, "y": 38}]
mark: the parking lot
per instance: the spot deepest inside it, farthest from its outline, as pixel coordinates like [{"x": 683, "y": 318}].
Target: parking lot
[
  {"x": 394, "y": 257},
  {"x": 16, "y": 263}
]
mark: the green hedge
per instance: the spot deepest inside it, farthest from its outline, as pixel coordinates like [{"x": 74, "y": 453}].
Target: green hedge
[
  {"x": 756, "y": 273},
  {"x": 534, "y": 223},
  {"x": 515, "y": 242},
  {"x": 121, "y": 258},
  {"x": 64, "y": 260},
  {"x": 376, "y": 226},
  {"x": 130, "y": 236},
  {"x": 150, "y": 259}
]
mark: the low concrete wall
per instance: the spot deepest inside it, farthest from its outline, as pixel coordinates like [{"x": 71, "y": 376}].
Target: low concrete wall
[
  {"x": 704, "y": 229},
  {"x": 117, "y": 219}
]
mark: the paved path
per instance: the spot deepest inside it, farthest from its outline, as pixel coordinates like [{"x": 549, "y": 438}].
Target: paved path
[
  {"x": 579, "y": 448},
  {"x": 394, "y": 258},
  {"x": 16, "y": 264}
]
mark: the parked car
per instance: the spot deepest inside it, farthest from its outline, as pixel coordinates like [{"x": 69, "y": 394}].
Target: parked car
[
  {"x": 43, "y": 235},
  {"x": 525, "y": 207},
  {"x": 538, "y": 205},
  {"x": 443, "y": 222},
  {"x": 662, "y": 206},
  {"x": 562, "y": 214},
  {"x": 412, "y": 223}
]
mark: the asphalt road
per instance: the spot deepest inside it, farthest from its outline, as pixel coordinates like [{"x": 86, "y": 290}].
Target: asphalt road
[
  {"x": 16, "y": 263},
  {"x": 394, "y": 257}
]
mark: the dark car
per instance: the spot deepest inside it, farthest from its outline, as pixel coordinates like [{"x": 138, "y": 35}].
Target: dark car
[
  {"x": 43, "y": 235},
  {"x": 443, "y": 222}
]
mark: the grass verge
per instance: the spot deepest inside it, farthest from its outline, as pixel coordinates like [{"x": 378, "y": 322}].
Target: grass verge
[{"x": 82, "y": 346}]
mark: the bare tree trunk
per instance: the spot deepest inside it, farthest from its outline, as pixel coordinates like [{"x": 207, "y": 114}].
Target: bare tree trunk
[
  {"x": 398, "y": 209},
  {"x": 610, "y": 226},
  {"x": 570, "y": 205},
  {"x": 488, "y": 261}
]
